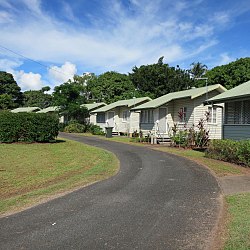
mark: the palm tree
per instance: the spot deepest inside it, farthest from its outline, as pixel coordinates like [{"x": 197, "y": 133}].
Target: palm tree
[{"x": 197, "y": 70}]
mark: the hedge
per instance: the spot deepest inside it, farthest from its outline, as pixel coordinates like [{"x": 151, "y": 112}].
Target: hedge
[
  {"x": 28, "y": 127},
  {"x": 231, "y": 151}
]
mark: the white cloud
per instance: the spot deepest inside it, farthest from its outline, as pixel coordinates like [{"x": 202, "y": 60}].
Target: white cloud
[
  {"x": 9, "y": 65},
  {"x": 224, "y": 59},
  {"x": 115, "y": 40},
  {"x": 62, "y": 74},
  {"x": 5, "y": 17},
  {"x": 28, "y": 81}
]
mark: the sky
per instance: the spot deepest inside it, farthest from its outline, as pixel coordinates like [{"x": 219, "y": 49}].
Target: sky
[{"x": 46, "y": 42}]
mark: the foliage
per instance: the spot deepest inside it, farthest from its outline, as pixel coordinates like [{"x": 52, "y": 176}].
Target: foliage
[
  {"x": 197, "y": 70},
  {"x": 158, "y": 79},
  {"x": 27, "y": 127},
  {"x": 6, "y": 102},
  {"x": 74, "y": 128},
  {"x": 8, "y": 86},
  {"x": 230, "y": 75},
  {"x": 69, "y": 96},
  {"x": 37, "y": 98},
  {"x": 111, "y": 86},
  {"x": 231, "y": 151},
  {"x": 94, "y": 129},
  {"x": 189, "y": 137}
]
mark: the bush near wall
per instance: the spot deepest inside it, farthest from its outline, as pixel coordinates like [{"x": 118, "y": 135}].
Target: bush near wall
[
  {"x": 28, "y": 127},
  {"x": 231, "y": 151}
]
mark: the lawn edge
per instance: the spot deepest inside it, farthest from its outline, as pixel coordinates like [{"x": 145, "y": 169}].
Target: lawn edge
[{"x": 59, "y": 193}]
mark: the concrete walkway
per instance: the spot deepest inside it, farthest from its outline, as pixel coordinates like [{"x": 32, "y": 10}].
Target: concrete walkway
[{"x": 235, "y": 184}]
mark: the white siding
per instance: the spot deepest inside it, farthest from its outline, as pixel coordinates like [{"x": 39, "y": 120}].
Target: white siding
[
  {"x": 215, "y": 129},
  {"x": 92, "y": 119},
  {"x": 177, "y": 105},
  {"x": 134, "y": 122}
]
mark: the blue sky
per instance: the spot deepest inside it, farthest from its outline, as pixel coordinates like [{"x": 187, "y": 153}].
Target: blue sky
[{"x": 75, "y": 36}]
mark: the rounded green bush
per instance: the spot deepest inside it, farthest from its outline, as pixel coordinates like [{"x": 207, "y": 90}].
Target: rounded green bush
[{"x": 74, "y": 128}]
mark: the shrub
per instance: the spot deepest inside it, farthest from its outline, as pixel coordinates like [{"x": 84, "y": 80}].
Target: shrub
[
  {"x": 28, "y": 127},
  {"x": 74, "y": 128},
  {"x": 95, "y": 130},
  {"x": 228, "y": 150}
]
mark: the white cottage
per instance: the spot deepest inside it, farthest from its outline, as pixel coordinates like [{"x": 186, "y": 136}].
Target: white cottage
[
  {"x": 119, "y": 116},
  {"x": 236, "y": 123},
  {"x": 183, "y": 108}
]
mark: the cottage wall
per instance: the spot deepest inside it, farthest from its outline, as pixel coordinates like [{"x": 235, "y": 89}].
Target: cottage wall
[{"x": 215, "y": 129}]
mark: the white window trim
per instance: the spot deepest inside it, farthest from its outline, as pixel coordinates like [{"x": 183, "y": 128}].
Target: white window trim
[
  {"x": 147, "y": 120},
  {"x": 212, "y": 116},
  {"x": 127, "y": 116},
  {"x": 185, "y": 117}
]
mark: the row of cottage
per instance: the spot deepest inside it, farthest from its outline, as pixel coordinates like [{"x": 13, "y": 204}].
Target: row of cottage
[{"x": 226, "y": 112}]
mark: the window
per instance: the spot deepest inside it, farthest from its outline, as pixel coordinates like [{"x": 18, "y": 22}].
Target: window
[
  {"x": 100, "y": 118},
  {"x": 125, "y": 115},
  {"x": 147, "y": 116},
  {"x": 183, "y": 114},
  {"x": 237, "y": 112},
  {"x": 212, "y": 114}
]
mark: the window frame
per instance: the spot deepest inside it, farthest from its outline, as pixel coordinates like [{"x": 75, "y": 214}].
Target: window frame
[
  {"x": 125, "y": 115},
  {"x": 100, "y": 115},
  {"x": 183, "y": 110},
  {"x": 212, "y": 119},
  {"x": 147, "y": 116}
]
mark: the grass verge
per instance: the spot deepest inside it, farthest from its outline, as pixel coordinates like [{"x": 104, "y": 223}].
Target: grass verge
[
  {"x": 239, "y": 224},
  {"x": 31, "y": 172},
  {"x": 220, "y": 168}
]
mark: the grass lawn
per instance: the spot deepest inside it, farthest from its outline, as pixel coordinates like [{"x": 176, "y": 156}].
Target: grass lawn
[
  {"x": 220, "y": 168},
  {"x": 31, "y": 172},
  {"x": 239, "y": 222}
]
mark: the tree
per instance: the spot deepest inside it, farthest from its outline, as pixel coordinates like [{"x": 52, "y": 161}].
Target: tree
[
  {"x": 69, "y": 97},
  {"x": 37, "y": 98},
  {"x": 231, "y": 74},
  {"x": 197, "y": 70},
  {"x": 110, "y": 87},
  {"x": 10, "y": 90},
  {"x": 6, "y": 101},
  {"x": 158, "y": 79}
]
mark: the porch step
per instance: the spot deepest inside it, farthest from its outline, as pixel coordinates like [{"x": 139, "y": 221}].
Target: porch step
[
  {"x": 163, "y": 139},
  {"x": 115, "y": 133}
]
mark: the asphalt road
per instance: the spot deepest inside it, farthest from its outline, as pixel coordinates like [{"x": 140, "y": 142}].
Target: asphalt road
[{"x": 156, "y": 201}]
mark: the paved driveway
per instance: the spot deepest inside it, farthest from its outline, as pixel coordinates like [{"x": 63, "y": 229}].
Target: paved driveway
[{"x": 156, "y": 201}]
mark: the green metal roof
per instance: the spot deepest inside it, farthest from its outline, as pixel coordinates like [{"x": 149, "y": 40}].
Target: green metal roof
[
  {"x": 129, "y": 103},
  {"x": 25, "y": 109},
  {"x": 49, "y": 109},
  {"x": 192, "y": 93},
  {"x": 238, "y": 92},
  {"x": 92, "y": 106}
]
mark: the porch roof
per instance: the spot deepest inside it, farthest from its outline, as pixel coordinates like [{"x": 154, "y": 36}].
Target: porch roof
[
  {"x": 128, "y": 103},
  {"x": 92, "y": 106},
  {"x": 49, "y": 109},
  {"x": 25, "y": 109},
  {"x": 192, "y": 93},
  {"x": 238, "y": 92}
]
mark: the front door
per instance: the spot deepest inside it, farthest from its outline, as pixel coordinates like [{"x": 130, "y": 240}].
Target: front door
[
  {"x": 162, "y": 125},
  {"x": 110, "y": 121}
]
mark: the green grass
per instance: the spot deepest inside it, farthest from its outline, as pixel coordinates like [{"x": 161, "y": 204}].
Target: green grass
[
  {"x": 239, "y": 225},
  {"x": 30, "y": 172},
  {"x": 220, "y": 168}
]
